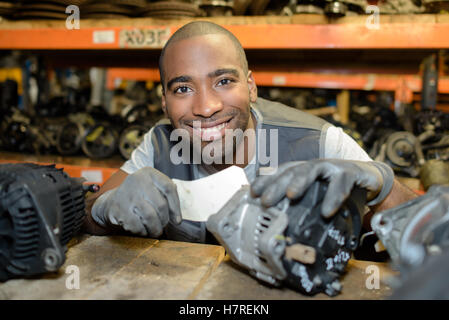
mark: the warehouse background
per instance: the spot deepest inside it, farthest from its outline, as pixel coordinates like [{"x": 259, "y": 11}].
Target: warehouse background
[{"x": 84, "y": 98}]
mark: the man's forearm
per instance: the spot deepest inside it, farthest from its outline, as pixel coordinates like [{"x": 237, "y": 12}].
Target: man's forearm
[
  {"x": 400, "y": 193},
  {"x": 90, "y": 226}
]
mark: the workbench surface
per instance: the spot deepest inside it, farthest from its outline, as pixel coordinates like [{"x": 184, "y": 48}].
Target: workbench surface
[{"x": 117, "y": 267}]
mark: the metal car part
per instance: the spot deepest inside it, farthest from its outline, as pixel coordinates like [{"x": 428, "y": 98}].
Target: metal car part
[
  {"x": 100, "y": 141},
  {"x": 436, "y": 6},
  {"x": 216, "y": 8},
  {"x": 249, "y": 235},
  {"x": 41, "y": 209},
  {"x": 434, "y": 172},
  {"x": 335, "y": 9},
  {"x": 130, "y": 139},
  {"x": 401, "y": 148},
  {"x": 415, "y": 229},
  {"x": 69, "y": 138},
  {"x": 291, "y": 242}
]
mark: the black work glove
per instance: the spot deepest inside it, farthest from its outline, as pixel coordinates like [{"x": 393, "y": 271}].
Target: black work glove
[
  {"x": 143, "y": 204},
  {"x": 292, "y": 179}
]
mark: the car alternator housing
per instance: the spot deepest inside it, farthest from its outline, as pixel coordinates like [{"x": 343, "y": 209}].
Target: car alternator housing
[
  {"x": 41, "y": 209},
  {"x": 291, "y": 243}
]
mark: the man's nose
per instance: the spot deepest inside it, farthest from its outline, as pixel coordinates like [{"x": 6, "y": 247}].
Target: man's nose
[{"x": 207, "y": 103}]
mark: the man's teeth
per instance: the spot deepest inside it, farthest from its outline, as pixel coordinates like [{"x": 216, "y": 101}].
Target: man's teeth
[{"x": 213, "y": 129}]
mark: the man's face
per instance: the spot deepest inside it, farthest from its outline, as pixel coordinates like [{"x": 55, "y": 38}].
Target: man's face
[{"x": 205, "y": 83}]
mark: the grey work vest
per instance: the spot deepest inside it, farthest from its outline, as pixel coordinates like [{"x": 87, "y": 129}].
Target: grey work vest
[{"x": 300, "y": 137}]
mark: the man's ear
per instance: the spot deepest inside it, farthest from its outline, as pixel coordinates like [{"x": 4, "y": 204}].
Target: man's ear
[
  {"x": 163, "y": 103},
  {"x": 252, "y": 87}
]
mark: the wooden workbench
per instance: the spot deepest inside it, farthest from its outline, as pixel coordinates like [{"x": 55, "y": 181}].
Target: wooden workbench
[{"x": 138, "y": 268}]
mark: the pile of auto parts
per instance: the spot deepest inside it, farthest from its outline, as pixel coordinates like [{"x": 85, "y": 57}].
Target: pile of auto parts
[
  {"x": 330, "y": 8},
  {"x": 417, "y": 143},
  {"x": 216, "y": 8},
  {"x": 50, "y": 9},
  {"x": 94, "y": 9},
  {"x": 414, "y": 233},
  {"x": 291, "y": 243},
  {"x": 401, "y": 7},
  {"x": 6, "y": 9},
  {"x": 414, "y": 155},
  {"x": 171, "y": 10},
  {"x": 95, "y": 133},
  {"x": 41, "y": 209},
  {"x": 436, "y": 6}
]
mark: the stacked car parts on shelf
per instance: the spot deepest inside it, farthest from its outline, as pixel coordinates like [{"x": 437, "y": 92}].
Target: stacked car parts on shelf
[
  {"x": 114, "y": 9},
  {"x": 52, "y": 9},
  {"x": 170, "y": 10},
  {"x": 6, "y": 9}
]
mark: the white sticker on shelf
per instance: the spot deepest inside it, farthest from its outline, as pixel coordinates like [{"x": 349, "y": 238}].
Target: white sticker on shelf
[
  {"x": 279, "y": 80},
  {"x": 95, "y": 176},
  {"x": 143, "y": 38},
  {"x": 104, "y": 36}
]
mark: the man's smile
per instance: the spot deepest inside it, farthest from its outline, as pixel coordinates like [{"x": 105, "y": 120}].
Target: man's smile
[{"x": 210, "y": 130}]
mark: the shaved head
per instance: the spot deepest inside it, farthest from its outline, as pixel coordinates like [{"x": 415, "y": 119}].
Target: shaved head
[{"x": 200, "y": 28}]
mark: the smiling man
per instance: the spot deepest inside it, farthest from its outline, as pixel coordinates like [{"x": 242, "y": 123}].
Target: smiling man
[{"x": 210, "y": 96}]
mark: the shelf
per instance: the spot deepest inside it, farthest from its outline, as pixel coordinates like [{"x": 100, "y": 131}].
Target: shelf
[
  {"x": 401, "y": 84},
  {"x": 97, "y": 175},
  {"x": 295, "y": 32},
  {"x": 95, "y": 171}
]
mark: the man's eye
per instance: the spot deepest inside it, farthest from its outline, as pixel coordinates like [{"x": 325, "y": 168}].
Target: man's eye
[
  {"x": 224, "y": 82},
  {"x": 182, "y": 89}
]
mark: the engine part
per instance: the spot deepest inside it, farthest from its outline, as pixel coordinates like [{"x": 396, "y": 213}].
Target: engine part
[
  {"x": 41, "y": 209},
  {"x": 416, "y": 229},
  {"x": 216, "y": 8},
  {"x": 100, "y": 141},
  {"x": 438, "y": 150},
  {"x": 401, "y": 150},
  {"x": 436, "y": 6},
  {"x": 400, "y": 7},
  {"x": 335, "y": 9},
  {"x": 330, "y": 8},
  {"x": 130, "y": 139},
  {"x": 434, "y": 172},
  {"x": 291, "y": 243},
  {"x": 171, "y": 9},
  {"x": 6, "y": 9},
  {"x": 427, "y": 282},
  {"x": 69, "y": 138}
]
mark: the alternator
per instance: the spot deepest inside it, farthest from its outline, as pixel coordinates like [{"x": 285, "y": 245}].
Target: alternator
[
  {"x": 291, "y": 243},
  {"x": 415, "y": 229},
  {"x": 41, "y": 208}
]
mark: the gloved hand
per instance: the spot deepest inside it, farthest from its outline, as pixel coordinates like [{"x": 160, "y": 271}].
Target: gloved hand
[
  {"x": 143, "y": 204},
  {"x": 292, "y": 179}
]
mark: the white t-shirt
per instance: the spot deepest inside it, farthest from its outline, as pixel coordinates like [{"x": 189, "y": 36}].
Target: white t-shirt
[{"x": 337, "y": 145}]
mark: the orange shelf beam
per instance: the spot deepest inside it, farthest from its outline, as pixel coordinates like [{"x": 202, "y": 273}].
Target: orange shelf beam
[
  {"x": 95, "y": 175},
  {"x": 302, "y": 80},
  {"x": 406, "y": 35}
]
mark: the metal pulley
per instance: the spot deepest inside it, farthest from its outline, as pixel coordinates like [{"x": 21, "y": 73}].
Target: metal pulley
[
  {"x": 130, "y": 139},
  {"x": 69, "y": 138},
  {"x": 400, "y": 148},
  {"x": 100, "y": 141}
]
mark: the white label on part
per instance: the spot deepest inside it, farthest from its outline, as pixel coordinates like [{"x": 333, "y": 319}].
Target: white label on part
[
  {"x": 204, "y": 197},
  {"x": 102, "y": 37},
  {"x": 92, "y": 175}
]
